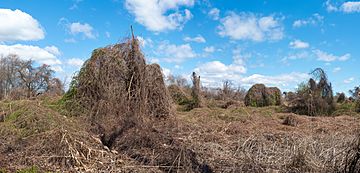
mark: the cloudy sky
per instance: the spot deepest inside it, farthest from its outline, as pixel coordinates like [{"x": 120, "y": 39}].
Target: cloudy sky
[{"x": 276, "y": 42}]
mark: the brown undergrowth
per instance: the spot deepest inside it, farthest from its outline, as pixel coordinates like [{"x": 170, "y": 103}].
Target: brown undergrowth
[{"x": 247, "y": 139}]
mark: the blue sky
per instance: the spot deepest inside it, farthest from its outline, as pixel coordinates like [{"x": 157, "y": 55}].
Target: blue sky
[{"x": 276, "y": 42}]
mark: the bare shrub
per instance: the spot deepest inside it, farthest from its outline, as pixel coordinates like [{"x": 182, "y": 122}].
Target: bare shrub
[
  {"x": 259, "y": 96},
  {"x": 177, "y": 80},
  {"x": 290, "y": 120},
  {"x": 340, "y": 97},
  {"x": 111, "y": 88},
  {"x": 178, "y": 94},
  {"x": 228, "y": 92},
  {"x": 274, "y": 96},
  {"x": 157, "y": 97},
  {"x": 357, "y": 106},
  {"x": 121, "y": 96},
  {"x": 315, "y": 97}
]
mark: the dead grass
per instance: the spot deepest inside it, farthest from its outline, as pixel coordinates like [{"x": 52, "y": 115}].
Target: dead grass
[
  {"x": 255, "y": 140},
  {"x": 237, "y": 139}
]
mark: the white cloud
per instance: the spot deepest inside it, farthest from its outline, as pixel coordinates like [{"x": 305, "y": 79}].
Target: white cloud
[
  {"x": 295, "y": 56},
  {"x": 76, "y": 62},
  {"x": 160, "y": 15},
  {"x": 350, "y": 7},
  {"x": 166, "y": 72},
  {"x": 214, "y": 73},
  {"x": 198, "y": 39},
  {"x": 298, "y": 44},
  {"x": 78, "y": 28},
  {"x": 144, "y": 42},
  {"x": 346, "y": 7},
  {"x": 53, "y": 49},
  {"x": 154, "y": 60},
  {"x": 247, "y": 26},
  {"x": 327, "y": 57},
  {"x": 209, "y": 49},
  {"x": 336, "y": 69},
  {"x": 283, "y": 80},
  {"x": 214, "y": 14},
  {"x": 315, "y": 19},
  {"x": 330, "y": 7},
  {"x": 57, "y": 68},
  {"x": 26, "y": 52},
  {"x": 176, "y": 53},
  {"x": 350, "y": 80},
  {"x": 19, "y": 26}
]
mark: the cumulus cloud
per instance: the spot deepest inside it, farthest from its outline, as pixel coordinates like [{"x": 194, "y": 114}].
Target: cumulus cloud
[
  {"x": 214, "y": 73},
  {"x": 350, "y": 7},
  {"x": 198, "y": 39},
  {"x": 160, "y": 15},
  {"x": 19, "y": 26},
  {"x": 176, "y": 53},
  {"x": 314, "y": 20},
  {"x": 248, "y": 26},
  {"x": 26, "y": 52},
  {"x": 79, "y": 28},
  {"x": 76, "y": 28},
  {"x": 327, "y": 57},
  {"x": 76, "y": 62},
  {"x": 346, "y": 7},
  {"x": 298, "y": 44},
  {"x": 214, "y": 13}
]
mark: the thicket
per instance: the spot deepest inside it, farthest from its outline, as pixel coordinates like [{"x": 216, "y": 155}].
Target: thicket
[
  {"x": 315, "y": 97},
  {"x": 259, "y": 96},
  {"x": 122, "y": 99}
]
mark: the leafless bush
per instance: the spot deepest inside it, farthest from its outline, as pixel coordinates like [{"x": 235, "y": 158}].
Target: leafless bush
[
  {"x": 259, "y": 95},
  {"x": 178, "y": 94},
  {"x": 122, "y": 95},
  {"x": 158, "y": 104},
  {"x": 340, "y": 97},
  {"x": 228, "y": 92},
  {"x": 314, "y": 98},
  {"x": 290, "y": 120},
  {"x": 357, "y": 106},
  {"x": 177, "y": 80}
]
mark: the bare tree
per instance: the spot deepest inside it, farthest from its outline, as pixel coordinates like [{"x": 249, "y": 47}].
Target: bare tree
[{"x": 19, "y": 78}]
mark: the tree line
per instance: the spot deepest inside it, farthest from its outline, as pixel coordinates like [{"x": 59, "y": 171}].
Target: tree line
[{"x": 20, "y": 79}]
